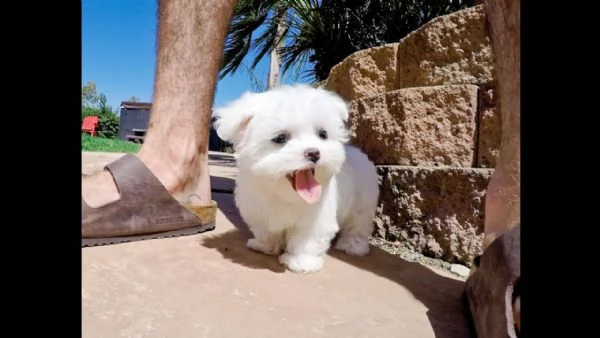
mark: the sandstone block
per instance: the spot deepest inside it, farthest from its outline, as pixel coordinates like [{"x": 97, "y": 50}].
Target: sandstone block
[
  {"x": 450, "y": 49},
  {"x": 364, "y": 73},
  {"x": 490, "y": 129},
  {"x": 438, "y": 212},
  {"x": 427, "y": 126}
]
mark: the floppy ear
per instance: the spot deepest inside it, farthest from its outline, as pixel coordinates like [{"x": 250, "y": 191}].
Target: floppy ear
[
  {"x": 231, "y": 121},
  {"x": 341, "y": 108},
  {"x": 339, "y": 105}
]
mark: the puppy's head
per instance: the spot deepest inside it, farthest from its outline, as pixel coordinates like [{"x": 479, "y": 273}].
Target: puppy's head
[{"x": 294, "y": 134}]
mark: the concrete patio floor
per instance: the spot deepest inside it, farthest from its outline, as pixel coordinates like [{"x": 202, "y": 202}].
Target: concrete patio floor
[{"x": 211, "y": 285}]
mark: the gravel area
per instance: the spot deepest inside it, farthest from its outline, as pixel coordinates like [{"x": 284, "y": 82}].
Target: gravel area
[{"x": 401, "y": 251}]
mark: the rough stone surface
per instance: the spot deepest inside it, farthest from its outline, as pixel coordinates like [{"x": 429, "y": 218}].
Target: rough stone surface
[
  {"x": 428, "y": 126},
  {"x": 490, "y": 128},
  {"x": 450, "y": 49},
  {"x": 365, "y": 73},
  {"x": 438, "y": 212}
]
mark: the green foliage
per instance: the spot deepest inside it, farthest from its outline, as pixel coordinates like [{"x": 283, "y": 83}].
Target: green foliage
[
  {"x": 324, "y": 32},
  {"x": 89, "y": 96},
  {"x": 89, "y": 143},
  {"x": 108, "y": 121},
  {"x": 94, "y": 104},
  {"x": 108, "y": 126},
  {"x": 248, "y": 16}
]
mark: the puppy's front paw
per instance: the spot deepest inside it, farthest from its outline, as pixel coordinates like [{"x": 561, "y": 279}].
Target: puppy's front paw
[
  {"x": 353, "y": 245},
  {"x": 301, "y": 263},
  {"x": 266, "y": 248}
]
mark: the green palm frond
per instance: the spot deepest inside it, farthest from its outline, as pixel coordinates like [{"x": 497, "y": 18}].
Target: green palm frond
[
  {"x": 270, "y": 39},
  {"x": 248, "y": 17},
  {"x": 322, "y": 33}
]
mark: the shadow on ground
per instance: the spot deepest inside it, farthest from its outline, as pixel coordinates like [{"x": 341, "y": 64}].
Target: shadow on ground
[
  {"x": 441, "y": 295},
  {"x": 232, "y": 244}
]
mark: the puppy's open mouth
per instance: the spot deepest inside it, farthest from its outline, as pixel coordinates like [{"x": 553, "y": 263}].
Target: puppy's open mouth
[{"x": 304, "y": 183}]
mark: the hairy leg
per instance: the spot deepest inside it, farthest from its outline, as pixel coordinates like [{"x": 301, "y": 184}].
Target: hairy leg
[
  {"x": 190, "y": 41},
  {"x": 503, "y": 199}
]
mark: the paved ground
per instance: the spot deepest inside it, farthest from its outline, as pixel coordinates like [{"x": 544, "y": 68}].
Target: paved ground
[{"x": 210, "y": 285}]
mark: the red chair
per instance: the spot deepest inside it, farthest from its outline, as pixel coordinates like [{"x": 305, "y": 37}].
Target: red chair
[{"x": 90, "y": 123}]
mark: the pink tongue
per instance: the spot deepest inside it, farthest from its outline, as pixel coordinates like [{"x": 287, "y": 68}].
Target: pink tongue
[{"x": 307, "y": 187}]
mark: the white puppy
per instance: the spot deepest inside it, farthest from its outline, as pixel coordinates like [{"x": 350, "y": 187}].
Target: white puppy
[{"x": 298, "y": 182}]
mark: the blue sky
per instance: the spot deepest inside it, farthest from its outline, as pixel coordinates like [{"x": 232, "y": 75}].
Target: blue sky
[{"x": 118, "y": 53}]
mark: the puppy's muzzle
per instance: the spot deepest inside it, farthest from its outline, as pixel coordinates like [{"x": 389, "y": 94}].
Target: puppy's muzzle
[{"x": 312, "y": 154}]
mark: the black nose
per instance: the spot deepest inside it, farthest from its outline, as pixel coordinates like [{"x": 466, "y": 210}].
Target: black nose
[{"x": 312, "y": 154}]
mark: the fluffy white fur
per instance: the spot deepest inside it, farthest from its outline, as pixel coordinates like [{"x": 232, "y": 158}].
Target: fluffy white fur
[{"x": 282, "y": 222}]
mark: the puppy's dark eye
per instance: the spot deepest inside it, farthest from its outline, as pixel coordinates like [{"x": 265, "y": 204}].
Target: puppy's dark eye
[
  {"x": 323, "y": 134},
  {"x": 280, "y": 139}
]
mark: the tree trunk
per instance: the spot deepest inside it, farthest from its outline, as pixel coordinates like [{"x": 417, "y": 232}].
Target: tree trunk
[{"x": 273, "y": 79}]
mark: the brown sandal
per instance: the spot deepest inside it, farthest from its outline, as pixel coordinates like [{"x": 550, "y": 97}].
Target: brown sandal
[
  {"x": 145, "y": 210},
  {"x": 493, "y": 290}
]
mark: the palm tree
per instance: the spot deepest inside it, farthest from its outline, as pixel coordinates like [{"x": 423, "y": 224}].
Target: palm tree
[
  {"x": 322, "y": 32},
  {"x": 249, "y": 15}
]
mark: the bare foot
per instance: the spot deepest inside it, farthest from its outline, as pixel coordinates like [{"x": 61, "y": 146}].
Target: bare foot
[
  {"x": 99, "y": 189},
  {"x": 188, "y": 181}
]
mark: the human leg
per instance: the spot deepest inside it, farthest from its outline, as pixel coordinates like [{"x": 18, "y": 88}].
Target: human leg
[
  {"x": 190, "y": 42},
  {"x": 503, "y": 198},
  {"x": 493, "y": 290}
]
